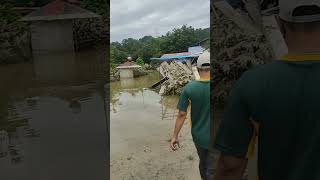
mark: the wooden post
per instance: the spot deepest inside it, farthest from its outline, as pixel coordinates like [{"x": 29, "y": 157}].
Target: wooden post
[
  {"x": 253, "y": 8},
  {"x": 195, "y": 73},
  {"x": 274, "y": 36}
]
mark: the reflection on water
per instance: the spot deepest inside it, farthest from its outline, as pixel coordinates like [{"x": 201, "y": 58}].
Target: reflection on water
[
  {"x": 132, "y": 97},
  {"x": 134, "y": 94},
  {"x": 62, "y": 66},
  {"x": 52, "y": 115}
]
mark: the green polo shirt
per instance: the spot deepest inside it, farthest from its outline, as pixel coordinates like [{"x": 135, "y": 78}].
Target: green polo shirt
[
  {"x": 198, "y": 93},
  {"x": 283, "y": 97}
]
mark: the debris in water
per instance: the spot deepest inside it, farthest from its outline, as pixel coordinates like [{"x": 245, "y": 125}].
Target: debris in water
[{"x": 177, "y": 76}]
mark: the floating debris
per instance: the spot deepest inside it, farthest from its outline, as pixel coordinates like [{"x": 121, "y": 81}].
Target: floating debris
[{"x": 177, "y": 75}]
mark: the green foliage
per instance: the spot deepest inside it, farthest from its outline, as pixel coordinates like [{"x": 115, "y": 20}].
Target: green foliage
[
  {"x": 140, "y": 61},
  {"x": 177, "y": 40},
  {"x": 180, "y": 39},
  {"x": 117, "y": 56},
  {"x": 7, "y": 14},
  {"x": 100, "y": 7}
]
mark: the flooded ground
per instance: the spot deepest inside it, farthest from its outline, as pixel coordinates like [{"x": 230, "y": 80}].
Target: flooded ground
[
  {"x": 141, "y": 125},
  {"x": 52, "y": 115}
]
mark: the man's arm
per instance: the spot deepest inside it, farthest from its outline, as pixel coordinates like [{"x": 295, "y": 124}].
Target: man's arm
[
  {"x": 179, "y": 123},
  {"x": 230, "y": 168},
  {"x": 234, "y": 134},
  {"x": 183, "y": 108}
]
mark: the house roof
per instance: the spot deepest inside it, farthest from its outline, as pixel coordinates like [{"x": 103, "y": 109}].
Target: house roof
[
  {"x": 177, "y": 56},
  {"x": 172, "y": 55},
  {"x": 59, "y": 10},
  {"x": 128, "y": 64}
]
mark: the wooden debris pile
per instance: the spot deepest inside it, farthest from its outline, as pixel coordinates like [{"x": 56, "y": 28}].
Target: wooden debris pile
[
  {"x": 235, "y": 51},
  {"x": 177, "y": 75}
]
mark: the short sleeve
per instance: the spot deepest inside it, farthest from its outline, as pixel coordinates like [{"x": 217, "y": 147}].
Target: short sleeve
[
  {"x": 235, "y": 130},
  {"x": 183, "y": 100}
]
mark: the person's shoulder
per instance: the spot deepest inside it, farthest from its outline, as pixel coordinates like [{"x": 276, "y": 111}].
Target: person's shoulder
[
  {"x": 193, "y": 83},
  {"x": 190, "y": 85},
  {"x": 261, "y": 71}
]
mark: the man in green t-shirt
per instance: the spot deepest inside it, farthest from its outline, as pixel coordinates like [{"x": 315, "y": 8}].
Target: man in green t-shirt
[
  {"x": 279, "y": 101},
  {"x": 197, "y": 93}
]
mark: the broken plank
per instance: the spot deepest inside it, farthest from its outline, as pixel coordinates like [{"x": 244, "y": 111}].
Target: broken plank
[
  {"x": 242, "y": 21},
  {"x": 253, "y": 8},
  {"x": 162, "y": 90},
  {"x": 159, "y": 82},
  {"x": 195, "y": 73},
  {"x": 274, "y": 36}
]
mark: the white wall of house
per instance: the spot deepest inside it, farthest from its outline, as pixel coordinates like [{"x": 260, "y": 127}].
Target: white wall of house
[
  {"x": 52, "y": 35},
  {"x": 126, "y": 73}
]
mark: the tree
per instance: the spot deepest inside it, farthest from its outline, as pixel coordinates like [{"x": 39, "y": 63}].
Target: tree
[
  {"x": 140, "y": 61},
  {"x": 117, "y": 56},
  {"x": 7, "y": 14},
  {"x": 100, "y": 7},
  {"x": 177, "y": 40}
]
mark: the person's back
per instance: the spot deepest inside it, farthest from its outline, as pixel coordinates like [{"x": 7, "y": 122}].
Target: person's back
[
  {"x": 282, "y": 97},
  {"x": 198, "y": 92}
]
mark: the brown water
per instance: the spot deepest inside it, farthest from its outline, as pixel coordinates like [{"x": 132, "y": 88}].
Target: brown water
[
  {"x": 52, "y": 116},
  {"x": 141, "y": 124},
  {"x": 133, "y": 98}
]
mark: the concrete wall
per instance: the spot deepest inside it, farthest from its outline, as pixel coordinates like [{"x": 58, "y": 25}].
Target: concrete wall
[
  {"x": 52, "y": 36},
  {"x": 126, "y": 73}
]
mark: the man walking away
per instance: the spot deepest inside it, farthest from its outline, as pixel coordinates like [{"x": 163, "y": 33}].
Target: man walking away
[
  {"x": 283, "y": 97},
  {"x": 198, "y": 94}
]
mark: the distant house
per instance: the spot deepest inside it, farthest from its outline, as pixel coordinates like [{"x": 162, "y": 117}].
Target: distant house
[
  {"x": 126, "y": 69},
  {"x": 184, "y": 57},
  {"x": 205, "y": 43},
  {"x": 52, "y": 25}
]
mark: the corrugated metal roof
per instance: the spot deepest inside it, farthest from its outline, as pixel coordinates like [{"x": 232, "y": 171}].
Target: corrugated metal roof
[
  {"x": 59, "y": 9},
  {"x": 175, "y": 55},
  {"x": 196, "y": 50},
  {"x": 192, "y": 53}
]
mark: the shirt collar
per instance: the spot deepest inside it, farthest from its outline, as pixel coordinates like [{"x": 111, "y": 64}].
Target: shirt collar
[
  {"x": 301, "y": 57},
  {"x": 204, "y": 79}
]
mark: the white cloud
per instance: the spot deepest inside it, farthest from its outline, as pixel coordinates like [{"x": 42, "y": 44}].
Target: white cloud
[{"x": 138, "y": 18}]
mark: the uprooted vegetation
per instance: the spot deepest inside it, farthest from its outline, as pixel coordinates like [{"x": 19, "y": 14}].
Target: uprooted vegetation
[
  {"x": 234, "y": 52},
  {"x": 177, "y": 75}
]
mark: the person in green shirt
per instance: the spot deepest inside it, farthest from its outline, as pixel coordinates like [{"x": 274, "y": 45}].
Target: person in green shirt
[
  {"x": 197, "y": 93},
  {"x": 280, "y": 101}
]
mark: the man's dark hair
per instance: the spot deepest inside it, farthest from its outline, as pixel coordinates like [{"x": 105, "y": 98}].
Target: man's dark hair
[{"x": 305, "y": 27}]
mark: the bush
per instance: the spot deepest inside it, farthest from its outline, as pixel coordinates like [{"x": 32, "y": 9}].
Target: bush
[
  {"x": 100, "y": 7},
  {"x": 7, "y": 14},
  {"x": 140, "y": 61}
]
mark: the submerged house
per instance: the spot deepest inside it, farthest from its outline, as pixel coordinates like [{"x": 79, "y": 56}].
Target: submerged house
[
  {"x": 126, "y": 69},
  {"x": 51, "y": 26}
]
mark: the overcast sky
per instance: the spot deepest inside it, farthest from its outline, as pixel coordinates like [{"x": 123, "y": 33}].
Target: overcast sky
[{"x": 138, "y": 18}]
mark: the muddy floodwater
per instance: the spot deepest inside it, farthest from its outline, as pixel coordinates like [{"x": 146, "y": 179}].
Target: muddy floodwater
[
  {"x": 141, "y": 125},
  {"x": 51, "y": 115}
]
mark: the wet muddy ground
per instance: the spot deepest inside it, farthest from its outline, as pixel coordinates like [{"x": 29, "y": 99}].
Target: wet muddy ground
[{"x": 141, "y": 125}]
